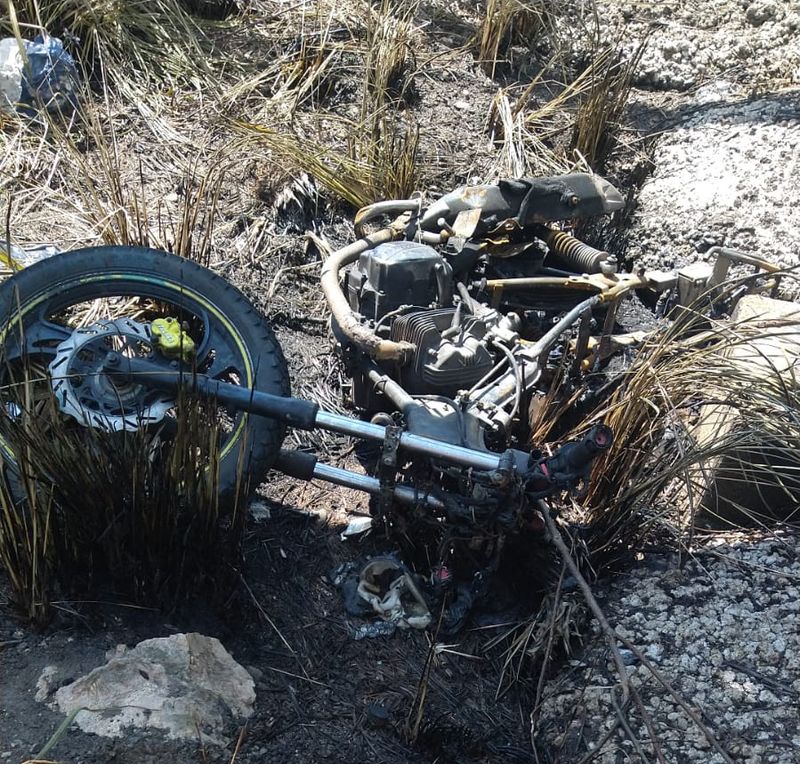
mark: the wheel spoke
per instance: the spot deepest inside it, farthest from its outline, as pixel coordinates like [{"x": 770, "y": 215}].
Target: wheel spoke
[
  {"x": 218, "y": 359},
  {"x": 41, "y": 338}
]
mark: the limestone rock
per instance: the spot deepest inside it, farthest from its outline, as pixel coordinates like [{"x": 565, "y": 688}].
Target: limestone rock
[{"x": 184, "y": 684}]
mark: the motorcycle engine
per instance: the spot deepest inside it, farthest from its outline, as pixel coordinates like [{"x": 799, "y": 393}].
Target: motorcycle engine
[{"x": 404, "y": 290}]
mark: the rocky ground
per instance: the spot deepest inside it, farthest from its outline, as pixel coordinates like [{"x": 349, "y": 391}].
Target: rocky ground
[
  {"x": 716, "y": 110},
  {"x": 721, "y": 178},
  {"x": 717, "y": 93},
  {"x": 722, "y": 631}
]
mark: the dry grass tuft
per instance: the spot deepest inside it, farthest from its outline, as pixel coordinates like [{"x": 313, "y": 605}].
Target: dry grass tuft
[
  {"x": 598, "y": 118},
  {"x": 364, "y": 158},
  {"x": 388, "y": 61},
  {"x": 148, "y": 531},
  {"x": 530, "y": 124},
  {"x": 546, "y": 128},
  {"x": 687, "y": 380},
  {"x": 308, "y": 62},
  {"x": 81, "y": 177},
  {"x": 377, "y": 162},
  {"x": 138, "y": 46},
  {"x": 510, "y": 22},
  {"x": 552, "y": 632}
]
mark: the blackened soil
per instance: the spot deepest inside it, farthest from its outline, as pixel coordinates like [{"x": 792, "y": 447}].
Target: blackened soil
[{"x": 314, "y": 683}]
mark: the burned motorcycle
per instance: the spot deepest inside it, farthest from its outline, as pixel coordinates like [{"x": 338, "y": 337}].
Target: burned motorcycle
[{"x": 450, "y": 322}]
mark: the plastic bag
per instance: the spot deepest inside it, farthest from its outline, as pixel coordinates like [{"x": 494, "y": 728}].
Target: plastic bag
[
  {"x": 47, "y": 81},
  {"x": 20, "y": 257}
]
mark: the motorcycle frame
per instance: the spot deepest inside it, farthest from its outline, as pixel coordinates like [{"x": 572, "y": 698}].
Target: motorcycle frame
[{"x": 307, "y": 415}]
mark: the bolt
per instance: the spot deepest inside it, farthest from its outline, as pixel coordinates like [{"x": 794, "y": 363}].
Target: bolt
[
  {"x": 445, "y": 226},
  {"x": 112, "y": 359}
]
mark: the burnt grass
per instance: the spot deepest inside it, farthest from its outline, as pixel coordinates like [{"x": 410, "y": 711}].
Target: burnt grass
[
  {"x": 320, "y": 695},
  {"x": 317, "y": 688}
]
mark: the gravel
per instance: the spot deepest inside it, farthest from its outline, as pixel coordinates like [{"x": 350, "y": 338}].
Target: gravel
[
  {"x": 716, "y": 95},
  {"x": 723, "y": 630},
  {"x": 692, "y": 43},
  {"x": 726, "y": 175}
]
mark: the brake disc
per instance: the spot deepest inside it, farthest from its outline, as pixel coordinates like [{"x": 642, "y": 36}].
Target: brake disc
[{"x": 85, "y": 392}]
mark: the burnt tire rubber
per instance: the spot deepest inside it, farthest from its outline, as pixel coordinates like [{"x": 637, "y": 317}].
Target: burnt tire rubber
[{"x": 86, "y": 274}]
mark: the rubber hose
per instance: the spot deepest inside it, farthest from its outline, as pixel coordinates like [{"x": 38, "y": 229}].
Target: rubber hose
[{"x": 359, "y": 334}]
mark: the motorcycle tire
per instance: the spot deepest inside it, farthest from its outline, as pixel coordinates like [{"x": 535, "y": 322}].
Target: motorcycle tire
[{"x": 30, "y": 298}]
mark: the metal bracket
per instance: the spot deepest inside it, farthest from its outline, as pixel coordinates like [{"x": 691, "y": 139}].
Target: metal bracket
[
  {"x": 387, "y": 469},
  {"x": 582, "y": 344}
]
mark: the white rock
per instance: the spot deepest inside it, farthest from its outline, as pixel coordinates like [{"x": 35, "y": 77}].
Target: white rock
[
  {"x": 180, "y": 684},
  {"x": 46, "y": 683}
]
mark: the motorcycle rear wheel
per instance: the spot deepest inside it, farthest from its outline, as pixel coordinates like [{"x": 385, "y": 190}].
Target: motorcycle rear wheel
[{"x": 233, "y": 341}]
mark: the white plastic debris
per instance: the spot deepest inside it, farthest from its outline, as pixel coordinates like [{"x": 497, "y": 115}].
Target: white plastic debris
[
  {"x": 393, "y": 595},
  {"x": 11, "y": 65},
  {"x": 357, "y": 526},
  {"x": 37, "y": 75},
  {"x": 259, "y": 510},
  {"x": 15, "y": 258}
]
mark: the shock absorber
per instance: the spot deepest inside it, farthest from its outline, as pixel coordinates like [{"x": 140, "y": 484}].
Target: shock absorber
[{"x": 572, "y": 252}]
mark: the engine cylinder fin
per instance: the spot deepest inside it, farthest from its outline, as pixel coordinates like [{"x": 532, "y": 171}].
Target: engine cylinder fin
[{"x": 442, "y": 365}]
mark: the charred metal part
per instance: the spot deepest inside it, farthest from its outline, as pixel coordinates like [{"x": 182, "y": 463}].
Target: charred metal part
[
  {"x": 395, "y": 274},
  {"x": 418, "y": 444},
  {"x": 451, "y": 351},
  {"x": 569, "y": 465},
  {"x": 385, "y": 385},
  {"x": 345, "y": 321},
  {"x": 608, "y": 287},
  {"x": 393, "y": 207},
  {"x": 582, "y": 343},
  {"x": 490, "y": 403},
  {"x": 296, "y": 464},
  {"x": 387, "y": 470},
  {"x": 693, "y": 282},
  {"x": 724, "y": 256},
  {"x": 403, "y": 494},
  {"x": 295, "y": 412},
  {"x": 608, "y": 327},
  {"x": 497, "y": 288},
  {"x": 544, "y": 343},
  {"x": 572, "y": 252},
  {"x": 528, "y": 201}
]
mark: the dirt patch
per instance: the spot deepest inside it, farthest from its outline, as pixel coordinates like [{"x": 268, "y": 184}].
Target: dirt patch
[{"x": 314, "y": 683}]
